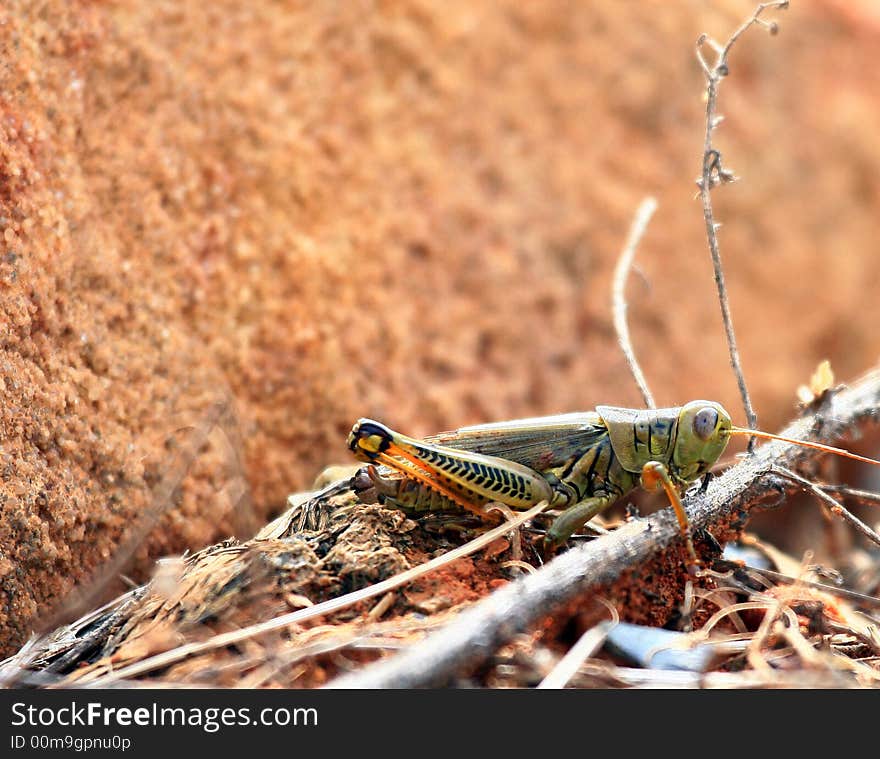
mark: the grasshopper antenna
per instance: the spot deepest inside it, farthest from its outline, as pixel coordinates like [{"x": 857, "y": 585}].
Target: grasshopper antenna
[
  {"x": 713, "y": 174},
  {"x": 618, "y": 294},
  {"x": 804, "y": 443}
]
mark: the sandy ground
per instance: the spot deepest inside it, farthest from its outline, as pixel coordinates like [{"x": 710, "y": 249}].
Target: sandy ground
[{"x": 403, "y": 210}]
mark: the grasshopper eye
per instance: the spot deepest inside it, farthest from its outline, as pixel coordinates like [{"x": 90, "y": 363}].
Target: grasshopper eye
[{"x": 705, "y": 421}]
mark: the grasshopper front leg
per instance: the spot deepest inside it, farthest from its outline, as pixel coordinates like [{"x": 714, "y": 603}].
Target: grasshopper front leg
[
  {"x": 470, "y": 480},
  {"x": 656, "y": 476},
  {"x": 573, "y": 518}
]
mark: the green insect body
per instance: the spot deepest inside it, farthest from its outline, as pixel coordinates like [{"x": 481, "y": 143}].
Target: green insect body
[{"x": 579, "y": 463}]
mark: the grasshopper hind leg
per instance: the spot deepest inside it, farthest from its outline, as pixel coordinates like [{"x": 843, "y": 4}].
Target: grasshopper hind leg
[{"x": 466, "y": 478}]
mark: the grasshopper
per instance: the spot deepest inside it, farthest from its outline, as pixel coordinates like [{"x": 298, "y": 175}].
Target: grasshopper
[{"x": 580, "y": 463}]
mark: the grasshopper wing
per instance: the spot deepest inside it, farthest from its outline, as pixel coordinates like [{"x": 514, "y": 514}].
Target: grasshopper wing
[{"x": 540, "y": 442}]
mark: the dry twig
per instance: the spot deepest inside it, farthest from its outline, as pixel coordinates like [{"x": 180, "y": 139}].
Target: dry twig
[
  {"x": 714, "y": 173},
  {"x": 863, "y": 496},
  {"x": 834, "y": 506},
  {"x": 618, "y": 295}
]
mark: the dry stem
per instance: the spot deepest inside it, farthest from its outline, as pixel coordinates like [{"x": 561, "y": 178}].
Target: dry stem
[
  {"x": 618, "y": 295},
  {"x": 834, "y": 506},
  {"x": 713, "y": 174}
]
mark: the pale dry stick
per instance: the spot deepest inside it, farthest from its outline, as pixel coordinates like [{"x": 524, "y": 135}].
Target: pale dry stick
[
  {"x": 779, "y": 607},
  {"x": 478, "y": 631},
  {"x": 726, "y": 646},
  {"x": 798, "y": 641},
  {"x": 587, "y": 645},
  {"x": 713, "y": 173},
  {"x": 174, "y": 655},
  {"x": 809, "y": 655},
  {"x": 829, "y": 659},
  {"x": 721, "y": 614},
  {"x": 327, "y": 639},
  {"x": 618, "y": 294},
  {"x": 523, "y": 565},
  {"x": 769, "y": 577},
  {"x": 712, "y": 597},
  {"x": 753, "y": 654},
  {"x": 514, "y": 535},
  {"x": 687, "y": 608},
  {"x": 746, "y": 679},
  {"x": 12, "y": 669},
  {"x": 383, "y": 605},
  {"x": 277, "y": 662},
  {"x": 862, "y": 671},
  {"x": 213, "y": 673},
  {"x": 871, "y": 641},
  {"x": 835, "y": 506},
  {"x": 864, "y": 496}
]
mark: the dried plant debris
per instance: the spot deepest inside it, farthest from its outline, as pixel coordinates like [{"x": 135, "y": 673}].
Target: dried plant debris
[
  {"x": 758, "y": 618},
  {"x": 317, "y": 595},
  {"x": 753, "y": 632},
  {"x": 821, "y": 382},
  {"x": 327, "y": 545}
]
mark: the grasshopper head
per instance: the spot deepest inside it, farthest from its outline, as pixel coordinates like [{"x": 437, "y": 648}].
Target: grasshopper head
[{"x": 703, "y": 431}]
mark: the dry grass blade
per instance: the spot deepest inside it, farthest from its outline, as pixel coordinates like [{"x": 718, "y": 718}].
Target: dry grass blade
[
  {"x": 587, "y": 645},
  {"x": 618, "y": 295}
]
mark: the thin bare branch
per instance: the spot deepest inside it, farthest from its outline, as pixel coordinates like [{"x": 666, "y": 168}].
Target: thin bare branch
[
  {"x": 863, "y": 496},
  {"x": 587, "y": 569},
  {"x": 713, "y": 173},
  {"x": 782, "y": 579},
  {"x": 618, "y": 294},
  {"x": 835, "y": 506}
]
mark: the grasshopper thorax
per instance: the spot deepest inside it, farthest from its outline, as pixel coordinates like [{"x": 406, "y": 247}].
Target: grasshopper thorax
[
  {"x": 687, "y": 439},
  {"x": 702, "y": 435}
]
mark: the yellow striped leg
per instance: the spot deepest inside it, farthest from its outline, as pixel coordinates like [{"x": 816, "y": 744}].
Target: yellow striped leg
[{"x": 469, "y": 479}]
